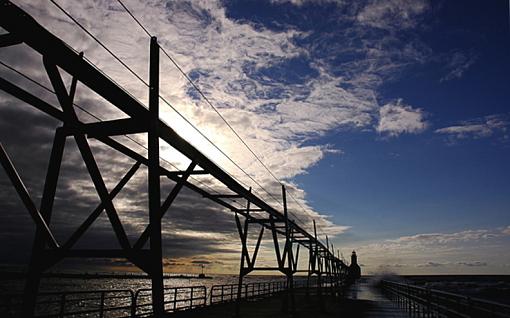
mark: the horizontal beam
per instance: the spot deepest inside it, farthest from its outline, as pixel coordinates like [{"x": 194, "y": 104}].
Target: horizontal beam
[
  {"x": 227, "y": 196},
  {"x": 250, "y": 210},
  {"x": 125, "y": 126},
  {"x": 264, "y": 221},
  {"x": 8, "y": 40},
  {"x": 301, "y": 241},
  {"x": 177, "y": 174},
  {"x": 265, "y": 269},
  {"x": 98, "y": 253}
]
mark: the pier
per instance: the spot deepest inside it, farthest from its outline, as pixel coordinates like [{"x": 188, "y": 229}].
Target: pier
[{"x": 360, "y": 299}]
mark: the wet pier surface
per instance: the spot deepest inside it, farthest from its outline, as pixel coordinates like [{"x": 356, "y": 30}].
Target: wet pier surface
[
  {"x": 361, "y": 300},
  {"x": 368, "y": 301}
]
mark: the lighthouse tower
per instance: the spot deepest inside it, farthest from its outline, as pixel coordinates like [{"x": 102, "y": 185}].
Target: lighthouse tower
[{"x": 354, "y": 269}]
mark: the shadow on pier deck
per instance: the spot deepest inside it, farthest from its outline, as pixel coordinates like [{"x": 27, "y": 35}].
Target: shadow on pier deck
[{"x": 361, "y": 300}]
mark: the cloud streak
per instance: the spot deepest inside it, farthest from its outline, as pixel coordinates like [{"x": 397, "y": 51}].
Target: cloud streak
[
  {"x": 458, "y": 63},
  {"x": 478, "y": 128}
]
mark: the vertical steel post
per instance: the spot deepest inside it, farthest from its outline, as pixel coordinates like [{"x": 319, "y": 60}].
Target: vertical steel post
[
  {"x": 310, "y": 269},
  {"x": 154, "y": 183},
  {"x": 328, "y": 276},
  {"x": 319, "y": 265},
  {"x": 241, "y": 266},
  {"x": 46, "y": 208},
  {"x": 288, "y": 248}
]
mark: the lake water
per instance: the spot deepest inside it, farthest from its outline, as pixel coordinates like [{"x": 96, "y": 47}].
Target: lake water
[
  {"x": 489, "y": 287},
  {"x": 15, "y": 285}
]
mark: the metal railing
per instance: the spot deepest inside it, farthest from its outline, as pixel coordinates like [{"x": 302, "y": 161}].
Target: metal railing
[
  {"x": 176, "y": 299},
  {"x": 228, "y": 292},
  {"x": 425, "y": 302},
  {"x": 95, "y": 303},
  {"x": 105, "y": 303},
  {"x": 127, "y": 303}
]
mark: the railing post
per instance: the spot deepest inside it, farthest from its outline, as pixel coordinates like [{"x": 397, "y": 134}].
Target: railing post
[
  {"x": 175, "y": 299},
  {"x": 191, "y": 299},
  {"x": 62, "y": 306},
  {"x": 133, "y": 302},
  {"x": 101, "y": 305},
  {"x": 409, "y": 305}
]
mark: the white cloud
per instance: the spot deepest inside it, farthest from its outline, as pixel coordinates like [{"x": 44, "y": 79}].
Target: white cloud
[
  {"x": 396, "y": 118},
  {"x": 453, "y": 264},
  {"x": 392, "y": 14},
  {"x": 478, "y": 128},
  {"x": 446, "y": 238}
]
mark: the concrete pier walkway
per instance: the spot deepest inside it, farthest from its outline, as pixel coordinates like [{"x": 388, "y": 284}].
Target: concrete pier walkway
[
  {"x": 371, "y": 302},
  {"x": 361, "y": 300}
]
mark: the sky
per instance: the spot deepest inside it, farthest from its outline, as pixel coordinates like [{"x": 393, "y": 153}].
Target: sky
[{"x": 387, "y": 121}]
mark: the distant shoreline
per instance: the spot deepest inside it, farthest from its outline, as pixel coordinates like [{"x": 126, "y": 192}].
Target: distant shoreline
[{"x": 11, "y": 275}]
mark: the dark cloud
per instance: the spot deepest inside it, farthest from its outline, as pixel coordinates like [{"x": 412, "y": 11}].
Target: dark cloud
[{"x": 27, "y": 137}]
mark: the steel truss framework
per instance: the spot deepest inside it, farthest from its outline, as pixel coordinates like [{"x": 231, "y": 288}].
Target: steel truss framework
[{"x": 22, "y": 28}]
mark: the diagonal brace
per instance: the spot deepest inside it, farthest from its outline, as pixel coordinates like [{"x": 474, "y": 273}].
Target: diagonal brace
[
  {"x": 275, "y": 241},
  {"x": 256, "y": 251},
  {"x": 100, "y": 208},
  {"x": 66, "y": 101},
  {"x": 295, "y": 260},
  {"x": 25, "y": 197},
  {"x": 243, "y": 235},
  {"x": 166, "y": 205}
]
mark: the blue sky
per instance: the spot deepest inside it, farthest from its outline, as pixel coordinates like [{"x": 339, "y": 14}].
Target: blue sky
[
  {"x": 387, "y": 186},
  {"x": 387, "y": 120}
]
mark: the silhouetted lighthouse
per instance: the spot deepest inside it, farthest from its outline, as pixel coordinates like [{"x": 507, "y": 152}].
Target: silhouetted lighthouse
[{"x": 354, "y": 269}]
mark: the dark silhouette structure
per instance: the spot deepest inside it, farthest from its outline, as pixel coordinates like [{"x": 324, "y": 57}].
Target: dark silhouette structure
[
  {"x": 58, "y": 57},
  {"x": 354, "y": 269}
]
